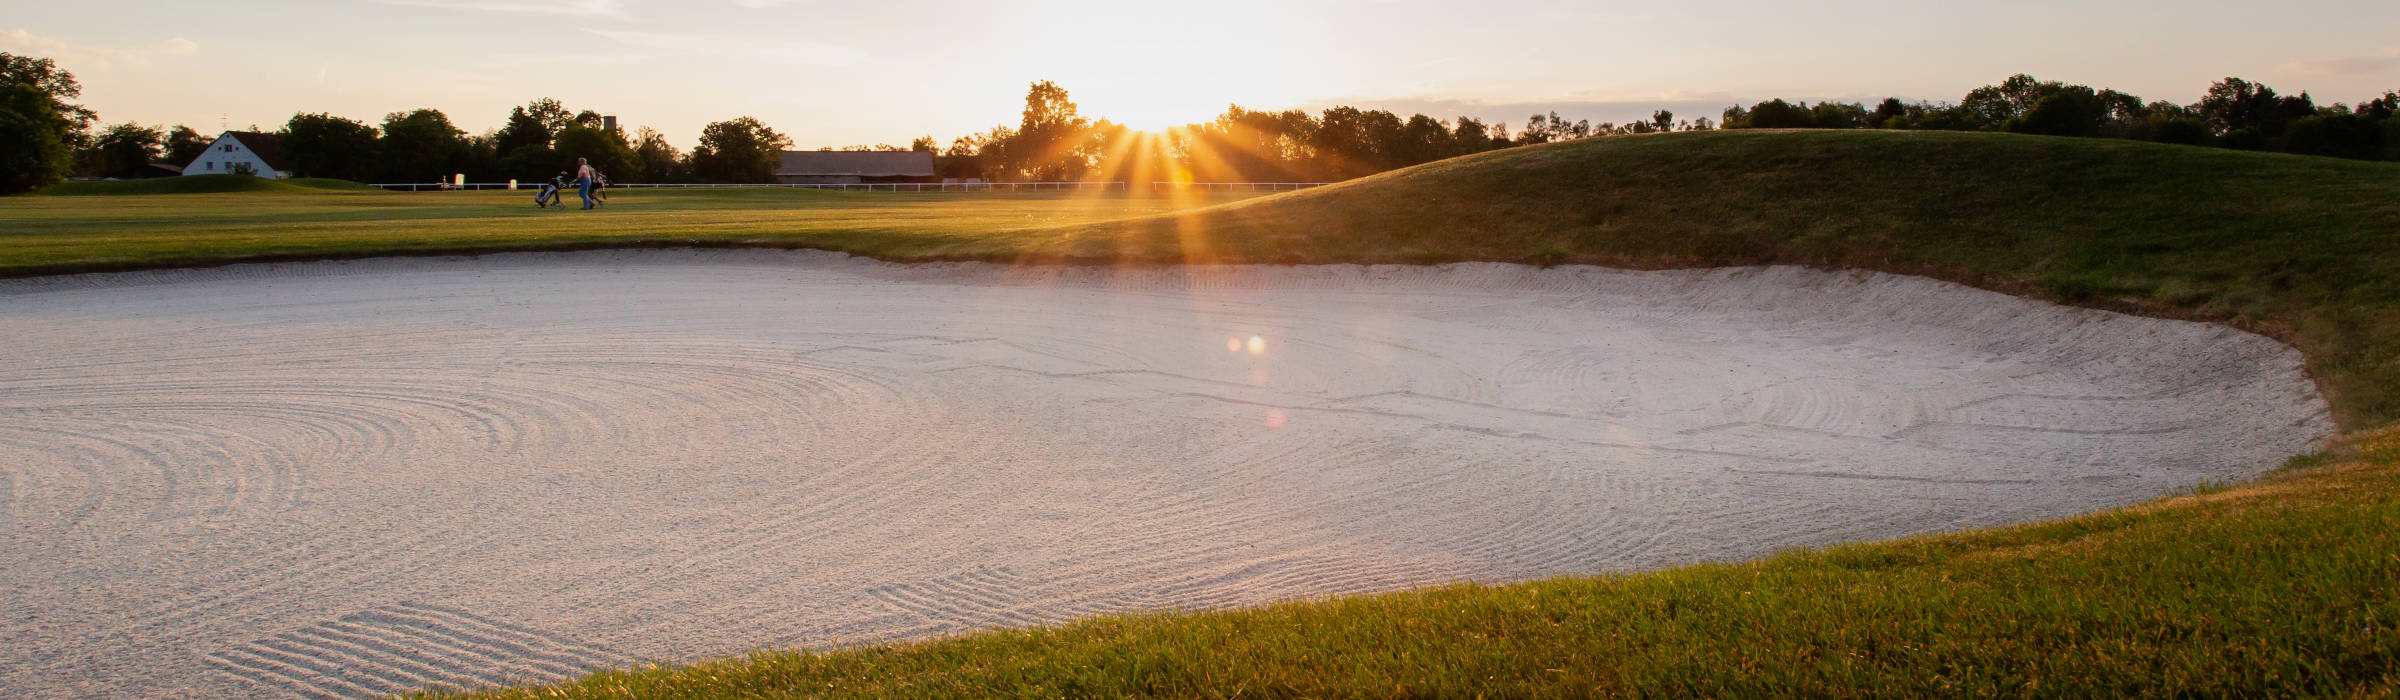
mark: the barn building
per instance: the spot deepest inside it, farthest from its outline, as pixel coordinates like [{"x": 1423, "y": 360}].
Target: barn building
[
  {"x": 235, "y": 151},
  {"x": 854, "y": 167}
]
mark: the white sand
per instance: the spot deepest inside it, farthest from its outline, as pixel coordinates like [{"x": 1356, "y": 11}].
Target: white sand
[{"x": 354, "y": 478}]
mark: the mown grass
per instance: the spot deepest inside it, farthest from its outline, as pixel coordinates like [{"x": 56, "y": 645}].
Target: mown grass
[
  {"x": 55, "y": 234},
  {"x": 2283, "y": 586}
]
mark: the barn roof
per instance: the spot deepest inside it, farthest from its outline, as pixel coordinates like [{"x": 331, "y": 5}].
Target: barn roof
[
  {"x": 269, "y": 147},
  {"x": 860, "y": 163}
]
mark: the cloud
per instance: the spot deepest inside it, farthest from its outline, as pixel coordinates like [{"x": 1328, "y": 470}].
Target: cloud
[
  {"x": 2348, "y": 65},
  {"x": 787, "y": 52},
  {"x": 578, "y": 8},
  {"x": 73, "y": 57}
]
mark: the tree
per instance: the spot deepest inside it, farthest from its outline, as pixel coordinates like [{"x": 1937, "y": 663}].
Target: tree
[
  {"x": 40, "y": 131},
  {"x": 1663, "y": 120},
  {"x": 185, "y": 145},
  {"x": 2380, "y": 108},
  {"x": 1889, "y": 109},
  {"x": 739, "y": 150},
  {"x": 523, "y": 129},
  {"x": 660, "y": 162},
  {"x": 1771, "y": 114},
  {"x": 923, "y": 144},
  {"x": 57, "y": 86},
  {"x": 552, "y": 115},
  {"x": 1471, "y": 135},
  {"x": 1053, "y": 141},
  {"x": 420, "y": 146},
  {"x": 2234, "y": 104},
  {"x": 323, "y": 145},
  {"x": 604, "y": 149},
  {"x": 33, "y": 139},
  {"x": 123, "y": 147},
  {"x": 2071, "y": 110},
  {"x": 2340, "y": 134}
]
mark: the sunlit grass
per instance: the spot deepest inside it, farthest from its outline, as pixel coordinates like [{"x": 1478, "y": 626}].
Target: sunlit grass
[{"x": 57, "y": 234}]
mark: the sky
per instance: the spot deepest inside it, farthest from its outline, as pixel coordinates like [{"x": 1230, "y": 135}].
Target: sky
[{"x": 852, "y": 72}]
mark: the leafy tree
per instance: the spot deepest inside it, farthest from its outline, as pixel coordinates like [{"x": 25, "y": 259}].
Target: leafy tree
[
  {"x": 40, "y": 130},
  {"x": 1771, "y": 114},
  {"x": 420, "y": 146},
  {"x": 2339, "y": 134},
  {"x": 1052, "y": 140},
  {"x": 738, "y": 150},
  {"x": 552, "y": 115},
  {"x": 33, "y": 139},
  {"x": 123, "y": 147},
  {"x": 1663, "y": 120},
  {"x": 323, "y": 145},
  {"x": 57, "y": 86},
  {"x": 523, "y": 129},
  {"x": 923, "y": 144},
  {"x": 660, "y": 162},
  {"x": 185, "y": 145},
  {"x": 2234, "y": 104},
  {"x": 2380, "y": 108},
  {"x": 1471, "y": 135},
  {"x": 1889, "y": 109},
  {"x": 2072, "y": 110}
]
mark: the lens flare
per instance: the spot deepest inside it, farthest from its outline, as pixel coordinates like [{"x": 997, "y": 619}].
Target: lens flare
[{"x": 1258, "y": 345}]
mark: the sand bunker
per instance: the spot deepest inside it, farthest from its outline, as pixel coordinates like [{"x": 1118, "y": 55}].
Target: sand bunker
[{"x": 355, "y": 478}]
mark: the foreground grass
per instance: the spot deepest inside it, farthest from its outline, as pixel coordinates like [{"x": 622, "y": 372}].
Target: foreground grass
[
  {"x": 2279, "y": 587},
  {"x": 2283, "y": 587}
]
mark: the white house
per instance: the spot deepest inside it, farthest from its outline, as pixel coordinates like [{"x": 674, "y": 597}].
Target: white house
[{"x": 236, "y": 151}]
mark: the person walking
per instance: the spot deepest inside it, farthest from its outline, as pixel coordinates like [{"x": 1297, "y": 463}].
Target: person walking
[{"x": 583, "y": 180}]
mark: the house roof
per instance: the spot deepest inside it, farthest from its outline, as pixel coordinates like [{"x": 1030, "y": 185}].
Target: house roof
[
  {"x": 268, "y": 147},
  {"x": 860, "y": 163}
]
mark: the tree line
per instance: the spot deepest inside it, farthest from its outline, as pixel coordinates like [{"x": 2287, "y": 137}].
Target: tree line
[
  {"x": 2234, "y": 113},
  {"x": 45, "y": 136}
]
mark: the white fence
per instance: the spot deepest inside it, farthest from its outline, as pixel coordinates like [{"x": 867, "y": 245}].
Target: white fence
[
  {"x": 894, "y": 186},
  {"x": 1235, "y": 186},
  {"x": 854, "y": 187}
]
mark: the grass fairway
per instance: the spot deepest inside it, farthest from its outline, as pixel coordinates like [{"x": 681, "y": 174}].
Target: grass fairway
[
  {"x": 2283, "y": 586},
  {"x": 247, "y": 220}
]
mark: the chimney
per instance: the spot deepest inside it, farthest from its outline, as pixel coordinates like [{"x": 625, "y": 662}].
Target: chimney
[{"x": 609, "y": 122}]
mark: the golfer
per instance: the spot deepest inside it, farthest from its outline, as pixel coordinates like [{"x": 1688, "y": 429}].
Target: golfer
[{"x": 583, "y": 180}]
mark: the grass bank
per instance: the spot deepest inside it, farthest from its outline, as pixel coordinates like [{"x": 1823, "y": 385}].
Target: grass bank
[{"x": 2283, "y": 587}]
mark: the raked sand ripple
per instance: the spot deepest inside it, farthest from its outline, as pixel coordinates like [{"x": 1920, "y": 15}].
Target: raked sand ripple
[{"x": 346, "y": 479}]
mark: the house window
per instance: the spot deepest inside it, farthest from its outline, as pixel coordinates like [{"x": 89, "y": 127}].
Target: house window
[{"x": 212, "y": 165}]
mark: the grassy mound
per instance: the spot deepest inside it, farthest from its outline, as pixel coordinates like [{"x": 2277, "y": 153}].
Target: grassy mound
[
  {"x": 201, "y": 184},
  {"x": 2307, "y": 249}
]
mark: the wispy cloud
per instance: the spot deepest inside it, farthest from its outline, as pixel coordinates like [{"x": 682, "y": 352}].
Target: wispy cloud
[
  {"x": 578, "y": 8},
  {"x": 788, "y": 52},
  {"x": 74, "y": 57},
  {"x": 2389, "y": 60}
]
